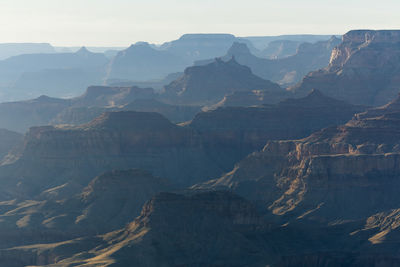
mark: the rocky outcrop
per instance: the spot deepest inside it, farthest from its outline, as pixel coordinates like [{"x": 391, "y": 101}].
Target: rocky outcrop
[
  {"x": 363, "y": 69},
  {"x": 210, "y": 83}
]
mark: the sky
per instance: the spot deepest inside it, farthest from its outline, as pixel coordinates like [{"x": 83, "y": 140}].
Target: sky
[{"x": 123, "y": 22}]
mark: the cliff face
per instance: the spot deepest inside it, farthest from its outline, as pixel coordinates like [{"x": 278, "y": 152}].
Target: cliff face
[
  {"x": 314, "y": 178},
  {"x": 116, "y": 140},
  {"x": 247, "y": 129},
  {"x": 356, "y": 40},
  {"x": 202, "y": 149},
  {"x": 210, "y": 83},
  {"x": 364, "y": 69},
  {"x": 342, "y": 180}
]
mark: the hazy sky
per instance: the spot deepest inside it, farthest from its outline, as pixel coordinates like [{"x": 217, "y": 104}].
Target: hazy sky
[{"x": 122, "y": 22}]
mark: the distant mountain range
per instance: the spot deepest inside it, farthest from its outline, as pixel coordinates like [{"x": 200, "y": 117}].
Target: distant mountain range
[
  {"x": 174, "y": 102},
  {"x": 30, "y": 70},
  {"x": 287, "y": 70},
  {"x": 142, "y": 62}
]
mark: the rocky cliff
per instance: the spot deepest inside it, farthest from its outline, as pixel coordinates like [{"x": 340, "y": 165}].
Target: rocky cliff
[
  {"x": 115, "y": 140},
  {"x": 202, "y": 149},
  {"x": 342, "y": 180},
  {"x": 364, "y": 69},
  {"x": 245, "y": 130},
  {"x": 314, "y": 178}
]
